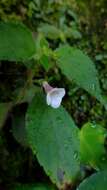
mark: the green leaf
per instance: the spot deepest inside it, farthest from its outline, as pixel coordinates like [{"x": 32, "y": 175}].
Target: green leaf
[
  {"x": 92, "y": 138},
  {"x": 78, "y": 67},
  {"x": 32, "y": 187},
  {"x": 53, "y": 137},
  {"x": 4, "y": 109},
  {"x": 97, "y": 181},
  {"x": 16, "y": 42},
  {"x": 75, "y": 33},
  {"x": 50, "y": 31},
  {"x": 43, "y": 52},
  {"x": 45, "y": 62},
  {"x": 41, "y": 44},
  {"x": 71, "y": 32}
]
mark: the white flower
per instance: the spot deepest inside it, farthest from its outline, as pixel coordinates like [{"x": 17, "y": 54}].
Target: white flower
[{"x": 54, "y": 95}]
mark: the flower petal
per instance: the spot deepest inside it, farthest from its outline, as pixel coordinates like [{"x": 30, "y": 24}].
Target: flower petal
[
  {"x": 61, "y": 92},
  {"x": 54, "y": 97},
  {"x": 56, "y": 101},
  {"x": 48, "y": 99}
]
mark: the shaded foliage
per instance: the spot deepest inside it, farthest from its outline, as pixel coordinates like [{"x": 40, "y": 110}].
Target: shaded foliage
[{"x": 80, "y": 24}]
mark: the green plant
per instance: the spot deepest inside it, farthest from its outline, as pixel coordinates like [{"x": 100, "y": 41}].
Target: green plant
[{"x": 52, "y": 135}]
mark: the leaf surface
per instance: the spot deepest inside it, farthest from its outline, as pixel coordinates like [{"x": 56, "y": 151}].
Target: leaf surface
[
  {"x": 97, "y": 181},
  {"x": 93, "y": 152},
  {"x": 16, "y": 42},
  {"x": 53, "y": 137},
  {"x": 79, "y": 67}
]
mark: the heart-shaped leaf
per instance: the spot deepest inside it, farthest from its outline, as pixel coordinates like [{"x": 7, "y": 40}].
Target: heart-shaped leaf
[
  {"x": 53, "y": 137},
  {"x": 79, "y": 67}
]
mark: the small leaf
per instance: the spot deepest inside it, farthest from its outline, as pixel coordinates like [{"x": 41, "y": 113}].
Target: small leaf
[
  {"x": 41, "y": 44},
  {"x": 75, "y": 33},
  {"x": 53, "y": 137},
  {"x": 43, "y": 52},
  {"x": 44, "y": 60},
  {"x": 97, "y": 181},
  {"x": 92, "y": 138},
  {"x": 72, "y": 32},
  {"x": 78, "y": 67},
  {"x": 16, "y": 42},
  {"x": 50, "y": 31}
]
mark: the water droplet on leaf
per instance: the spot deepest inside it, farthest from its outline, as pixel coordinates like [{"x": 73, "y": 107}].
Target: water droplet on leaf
[
  {"x": 93, "y": 86},
  {"x": 75, "y": 155}
]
